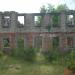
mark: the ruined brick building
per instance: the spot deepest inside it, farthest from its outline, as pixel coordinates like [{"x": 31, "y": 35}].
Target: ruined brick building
[{"x": 61, "y": 30}]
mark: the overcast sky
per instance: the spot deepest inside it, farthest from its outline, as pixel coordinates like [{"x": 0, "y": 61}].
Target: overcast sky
[{"x": 31, "y": 6}]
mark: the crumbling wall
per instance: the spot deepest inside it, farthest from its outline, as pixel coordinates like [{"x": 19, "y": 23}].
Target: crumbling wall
[{"x": 29, "y": 30}]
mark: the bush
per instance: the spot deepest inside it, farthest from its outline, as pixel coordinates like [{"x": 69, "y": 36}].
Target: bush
[
  {"x": 28, "y": 54},
  {"x": 1, "y": 54},
  {"x": 52, "y": 56},
  {"x": 69, "y": 60}
]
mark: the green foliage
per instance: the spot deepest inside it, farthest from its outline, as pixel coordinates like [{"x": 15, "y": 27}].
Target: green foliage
[
  {"x": 43, "y": 9},
  {"x": 50, "y": 8},
  {"x": 69, "y": 60},
  {"x": 48, "y": 27},
  {"x": 47, "y": 9},
  {"x": 25, "y": 53},
  {"x": 62, "y": 7},
  {"x": 55, "y": 21},
  {"x": 30, "y": 54},
  {"x": 1, "y": 54},
  {"x": 11, "y": 66},
  {"x": 39, "y": 21},
  {"x": 52, "y": 56},
  {"x": 20, "y": 43},
  {"x": 6, "y": 42},
  {"x": 55, "y": 42}
]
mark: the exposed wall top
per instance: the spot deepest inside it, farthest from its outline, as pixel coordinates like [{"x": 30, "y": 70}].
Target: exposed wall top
[{"x": 9, "y": 12}]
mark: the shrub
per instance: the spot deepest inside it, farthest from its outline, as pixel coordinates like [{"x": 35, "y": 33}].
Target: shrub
[
  {"x": 1, "y": 54},
  {"x": 69, "y": 60},
  {"x": 52, "y": 56},
  {"x": 28, "y": 54},
  {"x": 17, "y": 52}
]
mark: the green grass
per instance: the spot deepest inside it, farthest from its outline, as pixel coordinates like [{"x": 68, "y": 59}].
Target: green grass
[{"x": 12, "y": 66}]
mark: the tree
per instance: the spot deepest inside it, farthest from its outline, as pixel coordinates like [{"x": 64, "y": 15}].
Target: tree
[
  {"x": 43, "y": 9},
  {"x": 47, "y": 9},
  {"x": 50, "y": 8},
  {"x": 62, "y": 7}
]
